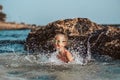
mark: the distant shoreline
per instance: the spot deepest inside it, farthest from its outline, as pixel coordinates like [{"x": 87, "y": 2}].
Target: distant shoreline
[
  {"x": 18, "y": 26},
  {"x": 14, "y": 26},
  {"x": 116, "y": 25}
]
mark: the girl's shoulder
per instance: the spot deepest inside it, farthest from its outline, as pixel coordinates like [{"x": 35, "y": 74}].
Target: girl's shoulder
[{"x": 67, "y": 52}]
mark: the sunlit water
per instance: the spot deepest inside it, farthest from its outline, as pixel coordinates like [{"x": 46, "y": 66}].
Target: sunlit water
[{"x": 15, "y": 64}]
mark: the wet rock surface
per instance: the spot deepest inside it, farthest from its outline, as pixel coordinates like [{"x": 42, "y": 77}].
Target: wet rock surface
[{"x": 103, "y": 39}]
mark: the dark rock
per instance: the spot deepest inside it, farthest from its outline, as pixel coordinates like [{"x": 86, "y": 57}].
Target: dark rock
[
  {"x": 107, "y": 42},
  {"x": 103, "y": 40}
]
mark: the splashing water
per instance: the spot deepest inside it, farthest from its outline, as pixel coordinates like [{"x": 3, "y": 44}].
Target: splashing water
[
  {"x": 54, "y": 59},
  {"x": 88, "y": 49},
  {"x": 49, "y": 58},
  {"x": 80, "y": 55}
]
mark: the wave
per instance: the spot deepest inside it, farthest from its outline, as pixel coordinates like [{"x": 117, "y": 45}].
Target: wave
[
  {"x": 7, "y": 46},
  {"x": 12, "y": 42}
]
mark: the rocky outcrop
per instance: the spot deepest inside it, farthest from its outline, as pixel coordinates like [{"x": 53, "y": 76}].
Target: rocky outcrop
[
  {"x": 107, "y": 42},
  {"x": 103, "y": 40}
]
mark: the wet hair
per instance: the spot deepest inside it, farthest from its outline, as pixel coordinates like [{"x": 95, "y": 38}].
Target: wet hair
[{"x": 61, "y": 34}]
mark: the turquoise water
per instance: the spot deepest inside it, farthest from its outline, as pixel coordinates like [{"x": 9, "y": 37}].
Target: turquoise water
[
  {"x": 12, "y": 40},
  {"x": 14, "y": 65}
]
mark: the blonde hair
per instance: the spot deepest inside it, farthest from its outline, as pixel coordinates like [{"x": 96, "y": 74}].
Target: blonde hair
[{"x": 60, "y": 34}]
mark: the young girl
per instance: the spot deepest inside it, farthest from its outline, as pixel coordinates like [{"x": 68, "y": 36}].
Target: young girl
[{"x": 60, "y": 43}]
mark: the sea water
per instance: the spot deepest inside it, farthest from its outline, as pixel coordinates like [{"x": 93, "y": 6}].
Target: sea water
[{"x": 16, "y": 65}]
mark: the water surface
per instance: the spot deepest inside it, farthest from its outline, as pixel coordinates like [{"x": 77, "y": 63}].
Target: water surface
[{"x": 15, "y": 64}]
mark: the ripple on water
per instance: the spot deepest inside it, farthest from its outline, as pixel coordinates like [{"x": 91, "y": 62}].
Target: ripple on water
[
  {"x": 31, "y": 69},
  {"x": 44, "y": 77}
]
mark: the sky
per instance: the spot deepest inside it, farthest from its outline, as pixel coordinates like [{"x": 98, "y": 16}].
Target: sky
[{"x": 42, "y": 12}]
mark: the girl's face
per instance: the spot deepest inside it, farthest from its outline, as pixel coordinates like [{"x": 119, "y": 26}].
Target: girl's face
[{"x": 60, "y": 41}]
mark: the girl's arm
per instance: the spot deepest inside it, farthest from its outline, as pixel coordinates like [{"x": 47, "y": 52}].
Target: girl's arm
[{"x": 69, "y": 56}]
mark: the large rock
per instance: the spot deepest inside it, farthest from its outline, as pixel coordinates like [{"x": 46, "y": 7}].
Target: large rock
[{"x": 103, "y": 40}]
